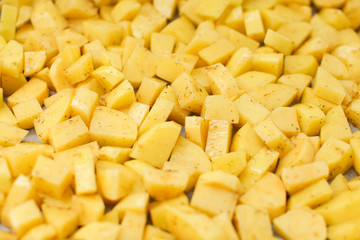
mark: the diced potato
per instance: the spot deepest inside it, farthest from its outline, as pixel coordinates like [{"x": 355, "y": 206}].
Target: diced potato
[
  {"x": 285, "y": 119},
  {"x": 114, "y": 154},
  {"x": 141, "y": 58},
  {"x": 311, "y": 118},
  {"x": 112, "y": 127},
  {"x": 47, "y": 18},
  {"x": 98, "y": 230},
  {"x": 138, "y": 112},
  {"x": 189, "y": 93},
  {"x": 336, "y": 154},
  {"x": 135, "y": 202},
  {"x": 253, "y": 25},
  {"x": 204, "y": 36},
  {"x": 196, "y": 129},
  {"x": 329, "y": 4},
  {"x": 250, "y": 111},
  {"x": 296, "y": 178},
  {"x": 5, "y": 177},
  {"x": 181, "y": 28},
  {"x": 297, "y": 31},
  {"x": 84, "y": 176},
  {"x": 312, "y": 196},
  {"x": 33, "y": 62},
  {"x": 7, "y": 116},
  {"x": 155, "y": 145},
  {"x": 132, "y": 226},
  {"x": 11, "y": 135},
  {"x": 149, "y": 90},
  {"x": 301, "y": 223},
  {"x": 26, "y": 112},
  {"x": 108, "y": 33},
  {"x": 218, "y": 138},
  {"x": 322, "y": 29},
  {"x": 315, "y": 46},
  {"x": 212, "y": 198},
  {"x": 252, "y": 222},
  {"x": 80, "y": 70},
  {"x": 246, "y": 139},
  {"x": 334, "y": 66},
  {"x": 40, "y": 232},
  {"x": 233, "y": 162},
  {"x": 50, "y": 177},
  {"x": 163, "y": 185},
  {"x": 191, "y": 224},
  {"x": 12, "y": 59},
  {"x": 125, "y": 10},
  {"x": 114, "y": 180},
  {"x": 57, "y": 76},
  {"x": 24, "y": 217},
  {"x": 339, "y": 184},
  {"x": 84, "y": 103},
  {"x": 226, "y": 225},
  {"x": 240, "y": 62},
  {"x": 218, "y": 52},
  {"x": 269, "y": 193},
  {"x": 161, "y": 44},
  {"x": 305, "y": 64},
  {"x": 298, "y": 81},
  {"x": 152, "y": 232},
  {"x": 335, "y": 125},
  {"x": 108, "y": 77},
  {"x": 268, "y": 62},
  {"x": 218, "y": 107},
  {"x": 92, "y": 208},
  {"x": 341, "y": 208},
  {"x": 279, "y": 42},
  {"x": 165, "y": 7},
  {"x": 189, "y": 158},
  {"x": 21, "y": 191},
  {"x": 76, "y": 9},
  {"x": 253, "y": 79},
  {"x": 121, "y": 96}
]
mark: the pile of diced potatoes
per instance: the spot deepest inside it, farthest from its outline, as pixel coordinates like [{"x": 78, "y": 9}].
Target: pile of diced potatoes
[{"x": 179, "y": 119}]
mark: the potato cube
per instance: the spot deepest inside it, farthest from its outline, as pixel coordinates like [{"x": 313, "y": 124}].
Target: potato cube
[
  {"x": 250, "y": 111},
  {"x": 76, "y": 9},
  {"x": 269, "y": 63},
  {"x": 98, "y": 230},
  {"x": 155, "y": 145},
  {"x": 108, "y": 33},
  {"x": 8, "y": 21},
  {"x": 341, "y": 208},
  {"x": 141, "y": 58},
  {"x": 181, "y": 28},
  {"x": 161, "y": 44},
  {"x": 132, "y": 226},
  {"x": 191, "y": 224},
  {"x": 252, "y": 80},
  {"x": 218, "y": 138},
  {"x": 80, "y": 69},
  {"x": 125, "y": 10},
  {"x": 47, "y": 18},
  {"x": 121, "y": 96},
  {"x": 95, "y": 48},
  {"x": 24, "y": 217},
  {"x": 353, "y": 63},
  {"x": 315, "y": 46},
  {"x": 336, "y": 155},
  {"x": 344, "y": 230},
  {"x": 301, "y": 223},
  {"x": 135, "y": 202},
  {"x": 114, "y": 154},
  {"x": 335, "y": 125},
  {"x": 212, "y": 10},
  {"x": 221, "y": 81},
  {"x": 189, "y": 158},
  {"x": 152, "y": 232},
  {"x": 7, "y": 116},
  {"x": 112, "y": 127},
  {"x": 50, "y": 177},
  {"x": 33, "y": 62},
  {"x": 21, "y": 191},
  {"x": 84, "y": 176},
  {"x": 189, "y": 93},
  {"x": 189, "y": 9},
  {"x": 114, "y": 180},
  {"x": 165, "y": 7},
  {"x": 312, "y": 196},
  {"x": 108, "y": 77},
  {"x": 149, "y": 90},
  {"x": 92, "y": 208},
  {"x": 339, "y": 184},
  {"x": 163, "y": 185},
  {"x": 40, "y": 232},
  {"x": 234, "y": 162},
  {"x": 334, "y": 66},
  {"x": 58, "y": 77},
  {"x": 297, "y": 31},
  {"x": 62, "y": 217},
  {"x": 302, "y": 153},
  {"x": 11, "y": 135},
  {"x": 309, "y": 98},
  {"x": 171, "y": 66},
  {"x": 218, "y": 52},
  {"x": 12, "y": 59},
  {"x": 147, "y": 21},
  {"x": 252, "y": 222},
  {"x": 298, "y": 81},
  {"x": 286, "y": 120},
  {"x": 240, "y": 62},
  {"x": 218, "y": 107},
  {"x": 5, "y": 177},
  {"x": 246, "y": 139},
  {"x": 196, "y": 129},
  {"x": 212, "y": 198},
  {"x": 305, "y": 64},
  {"x": 268, "y": 193},
  {"x": 273, "y": 137},
  {"x": 254, "y": 26},
  {"x": 178, "y": 114},
  {"x": 311, "y": 119},
  {"x": 328, "y": 87},
  {"x": 26, "y": 112},
  {"x": 204, "y": 36},
  {"x": 84, "y": 103},
  {"x": 279, "y": 42},
  {"x": 236, "y": 38},
  {"x": 235, "y": 19},
  {"x": 138, "y": 112},
  {"x": 298, "y": 177}
]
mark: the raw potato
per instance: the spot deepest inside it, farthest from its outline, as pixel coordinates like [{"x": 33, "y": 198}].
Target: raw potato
[{"x": 230, "y": 120}]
